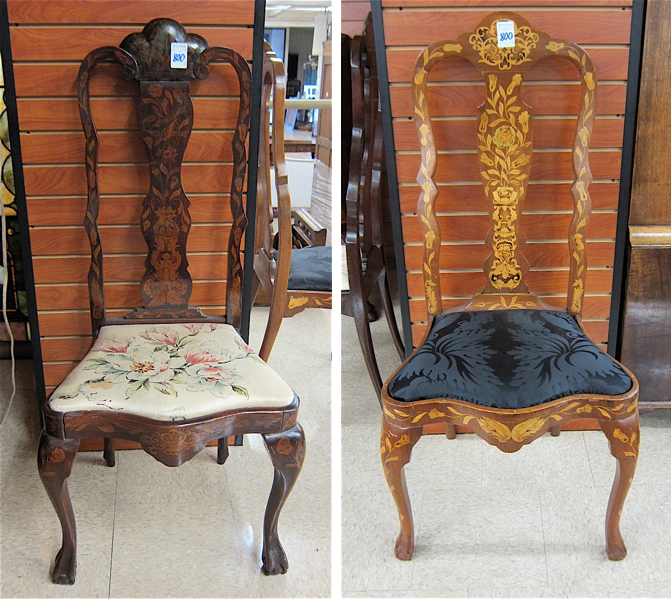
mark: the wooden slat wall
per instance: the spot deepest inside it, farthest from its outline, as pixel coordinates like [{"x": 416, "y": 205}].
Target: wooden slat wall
[
  {"x": 49, "y": 40},
  {"x": 353, "y": 16},
  {"x": 551, "y": 88}
]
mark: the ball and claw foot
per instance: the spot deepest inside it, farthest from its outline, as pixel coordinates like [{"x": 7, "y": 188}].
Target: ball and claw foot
[
  {"x": 274, "y": 561},
  {"x": 65, "y": 568}
]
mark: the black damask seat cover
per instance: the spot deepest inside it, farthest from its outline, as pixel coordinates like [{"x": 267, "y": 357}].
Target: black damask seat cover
[
  {"x": 311, "y": 269},
  {"x": 507, "y": 359}
]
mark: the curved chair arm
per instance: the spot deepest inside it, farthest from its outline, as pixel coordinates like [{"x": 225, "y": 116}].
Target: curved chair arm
[{"x": 95, "y": 277}]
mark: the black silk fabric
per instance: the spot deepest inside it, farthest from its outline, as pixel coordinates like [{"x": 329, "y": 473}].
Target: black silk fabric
[
  {"x": 310, "y": 269},
  {"x": 507, "y": 359}
]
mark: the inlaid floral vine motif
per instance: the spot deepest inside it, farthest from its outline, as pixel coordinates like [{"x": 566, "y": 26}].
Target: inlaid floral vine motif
[
  {"x": 484, "y": 41},
  {"x": 504, "y": 151},
  {"x": 165, "y": 115}
]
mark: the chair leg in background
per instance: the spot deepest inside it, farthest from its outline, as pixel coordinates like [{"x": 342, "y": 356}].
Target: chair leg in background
[
  {"x": 287, "y": 451},
  {"x": 555, "y": 430},
  {"x": 108, "y": 451},
  {"x": 222, "y": 450},
  {"x": 54, "y": 462},
  {"x": 397, "y": 444},
  {"x": 451, "y": 431},
  {"x": 388, "y": 308},
  {"x": 623, "y": 439}
]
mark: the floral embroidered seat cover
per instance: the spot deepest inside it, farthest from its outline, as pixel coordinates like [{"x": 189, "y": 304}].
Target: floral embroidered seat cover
[{"x": 170, "y": 372}]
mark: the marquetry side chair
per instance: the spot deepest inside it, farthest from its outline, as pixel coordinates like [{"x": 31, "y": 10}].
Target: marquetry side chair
[
  {"x": 293, "y": 279},
  {"x": 364, "y": 245},
  {"x": 505, "y": 364},
  {"x": 166, "y": 375}
]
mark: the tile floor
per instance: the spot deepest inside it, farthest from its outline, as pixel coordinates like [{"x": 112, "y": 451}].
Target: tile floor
[
  {"x": 489, "y": 524},
  {"x": 194, "y": 531}
]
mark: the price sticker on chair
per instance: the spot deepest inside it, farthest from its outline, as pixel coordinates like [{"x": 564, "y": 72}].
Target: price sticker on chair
[
  {"x": 505, "y": 34},
  {"x": 178, "y": 54}
]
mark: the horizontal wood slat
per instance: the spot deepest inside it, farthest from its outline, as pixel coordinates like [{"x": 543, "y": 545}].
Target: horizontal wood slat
[
  {"x": 121, "y": 240},
  {"x": 75, "y": 297},
  {"x": 122, "y": 178},
  {"x": 610, "y": 63},
  {"x": 540, "y": 196},
  {"x": 539, "y": 255},
  {"x": 75, "y": 269},
  {"x": 55, "y": 373},
  {"x": 540, "y": 282},
  {"x": 544, "y": 99},
  {"x": 545, "y": 166},
  {"x": 62, "y": 114},
  {"x": 205, "y": 12},
  {"x": 594, "y": 307},
  {"x": 497, "y": 3},
  {"x": 423, "y": 27},
  {"x": 119, "y": 146},
  {"x": 535, "y": 226},
  {"x": 120, "y": 210},
  {"x": 549, "y": 133},
  {"x": 61, "y": 80},
  {"x": 55, "y": 324}
]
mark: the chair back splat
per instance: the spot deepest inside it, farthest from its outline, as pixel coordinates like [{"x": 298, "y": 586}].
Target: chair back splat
[
  {"x": 165, "y": 120},
  {"x": 505, "y": 142}
]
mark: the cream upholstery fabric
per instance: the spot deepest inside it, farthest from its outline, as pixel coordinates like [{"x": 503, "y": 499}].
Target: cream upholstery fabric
[{"x": 170, "y": 372}]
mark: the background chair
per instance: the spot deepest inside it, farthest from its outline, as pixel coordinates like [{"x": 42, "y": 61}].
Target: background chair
[
  {"x": 166, "y": 375},
  {"x": 294, "y": 280},
  {"x": 364, "y": 247},
  {"x": 506, "y": 365}
]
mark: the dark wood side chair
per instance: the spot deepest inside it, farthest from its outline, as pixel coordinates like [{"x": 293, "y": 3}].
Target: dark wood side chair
[
  {"x": 294, "y": 280},
  {"x": 166, "y": 375},
  {"x": 505, "y": 365},
  {"x": 364, "y": 246}
]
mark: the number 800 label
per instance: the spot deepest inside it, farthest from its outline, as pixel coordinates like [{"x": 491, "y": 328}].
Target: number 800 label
[
  {"x": 178, "y": 55},
  {"x": 505, "y": 34}
]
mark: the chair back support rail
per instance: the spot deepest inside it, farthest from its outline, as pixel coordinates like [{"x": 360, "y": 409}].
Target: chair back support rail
[
  {"x": 165, "y": 119},
  {"x": 505, "y": 141}
]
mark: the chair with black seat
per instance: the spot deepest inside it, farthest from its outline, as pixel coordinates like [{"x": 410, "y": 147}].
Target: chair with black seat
[
  {"x": 294, "y": 279},
  {"x": 505, "y": 364},
  {"x": 365, "y": 259},
  {"x": 166, "y": 375}
]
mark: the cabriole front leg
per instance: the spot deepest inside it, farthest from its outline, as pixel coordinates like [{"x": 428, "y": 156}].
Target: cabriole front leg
[
  {"x": 54, "y": 463},
  {"x": 397, "y": 444},
  {"x": 287, "y": 451},
  {"x": 623, "y": 439}
]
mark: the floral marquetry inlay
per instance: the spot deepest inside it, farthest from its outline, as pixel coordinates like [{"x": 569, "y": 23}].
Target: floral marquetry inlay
[
  {"x": 504, "y": 151},
  {"x": 505, "y": 143},
  {"x": 484, "y": 42}
]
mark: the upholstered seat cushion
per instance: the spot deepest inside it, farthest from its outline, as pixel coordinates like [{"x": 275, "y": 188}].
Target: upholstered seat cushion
[
  {"x": 170, "y": 372},
  {"x": 311, "y": 269},
  {"x": 507, "y": 359}
]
